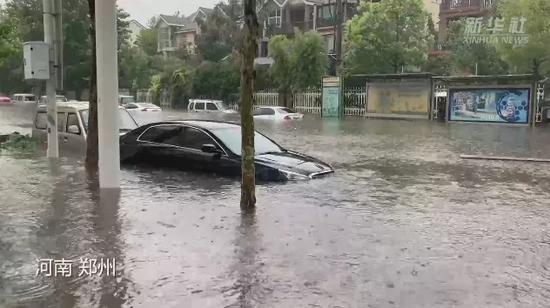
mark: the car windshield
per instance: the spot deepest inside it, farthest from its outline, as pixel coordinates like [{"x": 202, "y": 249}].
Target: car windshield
[
  {"x": 146, "y": 105},
  {"x": 231, "y": 137},
  {"x": 126, "y": 100},
  {"x": 285, "y": 110},
  {"x": 125, "y": 120}
]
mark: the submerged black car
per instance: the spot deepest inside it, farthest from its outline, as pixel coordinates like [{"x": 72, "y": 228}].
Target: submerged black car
[{"x": 215, "y": 147}]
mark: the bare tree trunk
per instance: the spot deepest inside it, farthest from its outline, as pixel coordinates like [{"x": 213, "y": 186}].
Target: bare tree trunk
[
  {"x": 92, "y": 141},
  {"x": 248, "y": 186}
]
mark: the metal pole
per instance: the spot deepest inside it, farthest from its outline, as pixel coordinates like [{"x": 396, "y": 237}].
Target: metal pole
[
  {"x": 59, "y": 42},
  {"x": 49, "y": 38},
  {"x": 339, "y": 22},
  {"x": 107, "y": 94}
]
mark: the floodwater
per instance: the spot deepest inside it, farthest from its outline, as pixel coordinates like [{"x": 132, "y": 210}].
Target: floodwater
[{"x": 404, "y": 222}]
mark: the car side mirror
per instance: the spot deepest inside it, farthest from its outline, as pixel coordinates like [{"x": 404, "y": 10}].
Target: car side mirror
[
  {"x": 210, "y": 148},
  {"x": 73, "y": 129}
]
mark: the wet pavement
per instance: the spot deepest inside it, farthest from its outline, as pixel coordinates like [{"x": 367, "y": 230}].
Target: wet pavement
[{"x": 404, "y": 222}]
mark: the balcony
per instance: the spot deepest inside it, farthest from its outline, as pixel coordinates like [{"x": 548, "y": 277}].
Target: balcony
[
  {"x": 451, "y": 6},
  {"x": 288, "y": 28}
]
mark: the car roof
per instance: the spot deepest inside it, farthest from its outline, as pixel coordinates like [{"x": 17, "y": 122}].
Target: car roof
[
  {"x": 24, "y": 94},
  {"x": 272, "y": 107},
  {"x": 205, "y": 124},
  {"x": 205, "y": 101},
  {"x": 73, "y": 105}
]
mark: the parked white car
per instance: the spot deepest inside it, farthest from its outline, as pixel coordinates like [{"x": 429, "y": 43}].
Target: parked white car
[
  {"x": 276, "y": 113},
  {"x": 125, "y": 99},
  {"x": 208, "y": 105},
  {"x": 144, "y": 113},
  {"x": 58, "y": 98},
  {"x": 24, "y": 98},
  {"x": 72, "y": 125}
]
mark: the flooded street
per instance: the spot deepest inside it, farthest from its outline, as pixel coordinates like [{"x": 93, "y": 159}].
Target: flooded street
[{"x": 404, "y": 222}]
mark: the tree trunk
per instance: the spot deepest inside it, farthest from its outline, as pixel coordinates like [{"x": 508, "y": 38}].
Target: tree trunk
[
  {"x": 248, "y": 185},
  {"x": 92, "y": 141}
]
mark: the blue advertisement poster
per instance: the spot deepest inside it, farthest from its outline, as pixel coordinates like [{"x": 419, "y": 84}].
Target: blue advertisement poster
[{"x": 489, "y": 105}]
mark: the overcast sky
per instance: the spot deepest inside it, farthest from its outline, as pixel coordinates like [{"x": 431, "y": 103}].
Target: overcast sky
[{"x": 143, "y": 10}]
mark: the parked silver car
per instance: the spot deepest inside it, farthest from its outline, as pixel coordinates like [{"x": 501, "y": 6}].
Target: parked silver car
[{"x": 72, "y": 125}]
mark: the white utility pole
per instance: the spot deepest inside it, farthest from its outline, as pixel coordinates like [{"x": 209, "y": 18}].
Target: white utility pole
[
  {"x": 50, "y": 39},
  {"x": 107, "y": 93}
]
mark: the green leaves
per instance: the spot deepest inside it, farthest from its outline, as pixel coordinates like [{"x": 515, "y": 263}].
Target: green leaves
[
  {"x": 534, "y": 57},
  {"x": 387, "y": 35},
  {"x": 299, "y": 63}
]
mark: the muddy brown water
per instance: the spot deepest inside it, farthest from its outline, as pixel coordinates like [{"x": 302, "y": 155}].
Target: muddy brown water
[{"x": 404, "y": 222}]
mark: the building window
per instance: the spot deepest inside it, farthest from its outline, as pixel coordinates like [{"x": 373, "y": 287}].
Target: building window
[
  {"x": 275, "y": 18},
  {"x": 164, "y": 38},
  {"x": 329, "y": 43},
  {"x": 327, "y": 12}
]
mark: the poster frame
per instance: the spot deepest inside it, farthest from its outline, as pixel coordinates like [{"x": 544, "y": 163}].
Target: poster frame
[{"x": 452, "y": 89}]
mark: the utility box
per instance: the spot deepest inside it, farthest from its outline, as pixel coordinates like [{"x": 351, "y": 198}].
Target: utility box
[{"x": 36, "y": 60}]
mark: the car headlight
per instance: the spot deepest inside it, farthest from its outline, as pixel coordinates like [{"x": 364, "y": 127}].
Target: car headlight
[{"x": 293, "y": 176}]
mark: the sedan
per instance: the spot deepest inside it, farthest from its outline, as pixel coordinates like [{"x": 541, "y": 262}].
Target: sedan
[
  {"x": 144, "y": 113},
  {"x": 5, "y": 100},
  {"x": 276, "y": 113},
  {"x": 214, "y": 146}
]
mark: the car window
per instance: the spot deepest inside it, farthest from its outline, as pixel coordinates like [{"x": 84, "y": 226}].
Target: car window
[
  {"x": 257, "y": 111},
  {"x": 195, "y": 139},
  {"x": 285, "y": 110},
  {"x": 211, "y": 106},
  {"x": 131, "y": 106},
  {"x": 169, "y": 134},
  {"x": 125, "y": 120},
  {"x": 199, "y": 106},
  {"x": 41, "y": 121},
  {"x": 29, "y": 98},
  {"x": 231, "y": 137},
  {"x": 72, "y": 119},
  {"x": 61, "y": 121},
  {"x": 269, "y": 111}
]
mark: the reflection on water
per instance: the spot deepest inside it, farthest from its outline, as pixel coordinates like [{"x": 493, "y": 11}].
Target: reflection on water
[{"x": 402, "y": 223}]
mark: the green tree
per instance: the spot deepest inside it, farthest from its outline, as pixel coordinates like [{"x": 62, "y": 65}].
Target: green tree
[
  {"x": 465, "y": 57},
  {"x": 534, "y": 57},
  {"x": 135, "y": 68},
  {"x": 220, "y": 32},
  {"x": 147, "y": 40},
  {"x": 388, "y": 35},
  {"x": 11, "y": 54},
  {"x": 299, "y": 63}
]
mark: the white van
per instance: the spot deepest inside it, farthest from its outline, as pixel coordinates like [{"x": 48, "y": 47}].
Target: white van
[
  {"x": 58, "y": 98},
  {"x": 72, "y": 125},
  {"x": 207, "y": 105},
  {"x": 23, "y": 98}
]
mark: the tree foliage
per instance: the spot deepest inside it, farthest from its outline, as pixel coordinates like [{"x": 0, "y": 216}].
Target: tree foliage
[
  {"x": 220, "y": 32},
  {"x": 534, "y": 57},
  {"x": 26, "y": 18},
  {"x": 466, "y": 56},
  {"x": 388, "y": 35},
  {"x": 299, "y": 62}
]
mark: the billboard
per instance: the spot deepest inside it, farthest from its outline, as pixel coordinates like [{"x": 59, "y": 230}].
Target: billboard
[
  {"x": 399, "y": 98},
  {"x": 499, "y": 105}
]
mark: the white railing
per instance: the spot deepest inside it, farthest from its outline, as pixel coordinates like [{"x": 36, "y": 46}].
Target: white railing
[
  {"x": 308, "y": 102},
  {"x": 355, "y": 101},
  {"x": 266, "y": 98}
]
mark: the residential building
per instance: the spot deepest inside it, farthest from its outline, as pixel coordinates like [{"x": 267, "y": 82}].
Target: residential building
[
  {"x": 432, "y": 7},
  {"x": 135, "y": 30},
  {"x": 450, "y": 10},
  {"x": 288, "y": 16},
  {"x": 175, "y": 32}
]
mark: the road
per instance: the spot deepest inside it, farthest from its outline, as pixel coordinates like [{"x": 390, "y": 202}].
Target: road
[{"x": 404, "y": 222}]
